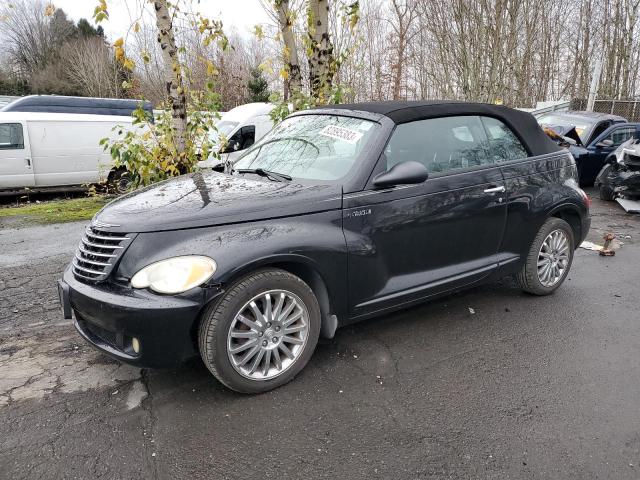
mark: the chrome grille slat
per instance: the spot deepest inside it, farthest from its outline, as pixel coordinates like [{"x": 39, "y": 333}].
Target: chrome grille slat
[
  {"x": 100, "y": 237},
  {"x": 88, "y": 270},
  {"x": 98, "y": 253},
  {"x": 92, "y": 262},
  {"x": 97, "y": 245}
]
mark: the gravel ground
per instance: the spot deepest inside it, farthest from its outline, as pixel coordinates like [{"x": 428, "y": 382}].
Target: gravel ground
[{"x": 524, "y": 387}]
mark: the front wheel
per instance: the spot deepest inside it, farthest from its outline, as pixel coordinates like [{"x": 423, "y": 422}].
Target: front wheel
[
  {"x": 262, "y": 332},
  {"x": 549, "y": 258}
]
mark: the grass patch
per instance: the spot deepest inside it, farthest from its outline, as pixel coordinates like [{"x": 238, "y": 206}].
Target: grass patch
[{"x": 56, "y": 211}]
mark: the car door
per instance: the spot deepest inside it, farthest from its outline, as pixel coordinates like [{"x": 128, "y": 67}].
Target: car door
[
  {"x": 409, "y": 242},
  {"x": 16, "y": 167},
  {"x": 600, "y": 148}
]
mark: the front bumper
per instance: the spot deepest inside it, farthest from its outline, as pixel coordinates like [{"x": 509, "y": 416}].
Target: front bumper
[{"x": 109, "y": 316}]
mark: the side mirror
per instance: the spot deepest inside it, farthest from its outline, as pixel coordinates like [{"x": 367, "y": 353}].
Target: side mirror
[
  {"x": 607, "y": 142},
  {"x": 404, "y": 173}
]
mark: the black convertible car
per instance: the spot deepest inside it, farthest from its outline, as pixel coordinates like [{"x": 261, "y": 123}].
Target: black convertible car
[{"x": 337, "y": 215}]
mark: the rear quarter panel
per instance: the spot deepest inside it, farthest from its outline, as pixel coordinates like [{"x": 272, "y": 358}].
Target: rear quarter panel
[{"x": 537, "y": 188}]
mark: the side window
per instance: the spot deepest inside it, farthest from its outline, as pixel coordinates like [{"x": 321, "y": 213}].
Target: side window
[
  {"x": 502, "y": 145},
  {"x": 441, "y": 144},
  {"x": 11, "y": 136},
  {"x": 621, "y": 135},
  {"x": 600, "y": 128},
  {"x": 248, "y": 135}
]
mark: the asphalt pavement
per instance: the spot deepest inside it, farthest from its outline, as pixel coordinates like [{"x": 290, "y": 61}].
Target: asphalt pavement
[{"x": 489, "y": 383}]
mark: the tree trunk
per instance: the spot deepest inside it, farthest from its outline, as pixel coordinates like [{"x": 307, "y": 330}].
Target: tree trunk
[
  {"x": 292, "y": 64},
  {"x": 172, "y": 74},
  {"x": 321, "y": 61}
]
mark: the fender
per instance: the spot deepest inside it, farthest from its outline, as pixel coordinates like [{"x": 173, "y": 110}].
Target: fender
[{"x": 301, "y": 244}]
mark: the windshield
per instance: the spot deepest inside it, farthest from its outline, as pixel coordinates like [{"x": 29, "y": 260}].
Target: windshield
[
  {"x": 313, "y": 147},
  {"x": 582, "y": 125}
]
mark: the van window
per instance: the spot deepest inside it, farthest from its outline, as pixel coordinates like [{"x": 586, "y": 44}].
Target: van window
[
  {"x": 441, "y": 144},
  {"x": 11, "y": 136},
  {"x": 503, "y": 144},
  {"x": 242, "y": 139}
]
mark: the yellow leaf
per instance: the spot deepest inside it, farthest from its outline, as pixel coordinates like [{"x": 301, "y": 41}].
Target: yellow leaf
[
  {"x": 136, "y": 27},
  {"x": 284, "y": 73},
  {"x": 119, "y": 42},
  {"x": 211, "y": 69},
  {"x": 129, "y": 64},
  {"x": 49, "y": 10},
  {"x": 257, "y": 31}
]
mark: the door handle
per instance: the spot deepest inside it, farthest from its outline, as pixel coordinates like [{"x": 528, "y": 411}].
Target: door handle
[
  {"x": 28, "y": 162},
  {"x": 499, "y": 189}
]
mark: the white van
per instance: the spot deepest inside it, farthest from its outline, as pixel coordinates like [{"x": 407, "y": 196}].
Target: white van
[
  {"x": 44, "y": 150},
  {"x": 242, "y": 127}
]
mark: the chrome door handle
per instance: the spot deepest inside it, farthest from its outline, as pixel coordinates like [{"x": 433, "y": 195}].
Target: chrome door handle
[{"x": 499, "y": 189}]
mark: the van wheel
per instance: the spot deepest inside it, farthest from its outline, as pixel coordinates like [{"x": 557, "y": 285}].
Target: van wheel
[
  {"x": 549, "y": 258},
  {"x": 120, "y": 181},
  {"x": 261, "y": 333}
]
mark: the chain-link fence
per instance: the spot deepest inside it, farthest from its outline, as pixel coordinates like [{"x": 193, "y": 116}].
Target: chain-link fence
[{"x": 629, "y": 109}]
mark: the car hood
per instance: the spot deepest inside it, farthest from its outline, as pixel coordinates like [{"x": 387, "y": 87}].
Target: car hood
[{"x": 209, "y": 198}]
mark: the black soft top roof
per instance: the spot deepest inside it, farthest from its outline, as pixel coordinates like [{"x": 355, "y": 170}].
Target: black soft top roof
[
  {"x": 522, "y": 123},
  {"x": 85, "y": 105}
]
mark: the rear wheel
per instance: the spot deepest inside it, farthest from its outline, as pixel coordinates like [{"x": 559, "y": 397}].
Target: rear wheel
[
  {"x": 549, "y": 258},
  {"x": 262, "y": 332}
]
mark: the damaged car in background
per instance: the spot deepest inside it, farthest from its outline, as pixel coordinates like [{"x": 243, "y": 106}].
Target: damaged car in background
[
  {"x": 590, "y": 137},
  {"x": 620, "y": 177}
]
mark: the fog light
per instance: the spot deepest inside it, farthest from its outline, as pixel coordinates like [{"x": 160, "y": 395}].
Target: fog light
[{"x": 135, "y": 344}]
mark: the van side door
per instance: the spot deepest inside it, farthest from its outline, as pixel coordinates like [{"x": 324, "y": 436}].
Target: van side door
[
  {"x": 16, "y": 165},
  {"x": 409, "y": 242}
]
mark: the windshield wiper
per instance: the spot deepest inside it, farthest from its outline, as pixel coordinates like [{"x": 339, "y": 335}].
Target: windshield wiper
[{"x": 279, "y": 177}]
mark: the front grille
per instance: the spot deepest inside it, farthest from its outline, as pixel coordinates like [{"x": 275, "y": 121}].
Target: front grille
[{"x": 98, "y": 253}]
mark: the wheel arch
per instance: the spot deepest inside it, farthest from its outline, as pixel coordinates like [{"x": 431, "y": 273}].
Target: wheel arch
[
  {"x": 570, "y": 214},
  {"x": 307, "y": 270}
]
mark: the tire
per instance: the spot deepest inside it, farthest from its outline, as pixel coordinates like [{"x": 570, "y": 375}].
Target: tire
[
  {"x": 120, "y": 182},
  {"x": 220, "y": 320},
  {"x": 606, "y": 193},
  {"x": 529, "y": 278}
]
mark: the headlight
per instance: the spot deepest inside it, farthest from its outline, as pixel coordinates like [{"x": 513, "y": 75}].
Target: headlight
[{"x": 175, "y": 275}]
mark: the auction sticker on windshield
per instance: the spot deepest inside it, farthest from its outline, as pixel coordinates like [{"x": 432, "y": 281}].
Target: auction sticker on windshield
[{"x": 341, "y": 133}]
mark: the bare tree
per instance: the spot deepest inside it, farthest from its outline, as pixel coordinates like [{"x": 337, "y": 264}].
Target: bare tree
[{"x": 91, "y": 68}]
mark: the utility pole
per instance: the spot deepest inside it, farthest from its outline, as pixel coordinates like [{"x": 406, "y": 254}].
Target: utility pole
[{"x": 595, "y": 80}]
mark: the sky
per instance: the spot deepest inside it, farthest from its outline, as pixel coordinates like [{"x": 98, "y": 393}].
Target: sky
[{"x": 243, "y": 15}]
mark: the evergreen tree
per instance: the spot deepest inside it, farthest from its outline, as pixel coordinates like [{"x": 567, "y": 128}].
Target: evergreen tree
[{"x": 258, "y": 87}]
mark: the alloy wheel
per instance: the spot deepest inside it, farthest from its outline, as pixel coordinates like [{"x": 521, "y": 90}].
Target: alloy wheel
[
  {"x": 553, "y": 258},
  {"x": 268, "y": 334}
]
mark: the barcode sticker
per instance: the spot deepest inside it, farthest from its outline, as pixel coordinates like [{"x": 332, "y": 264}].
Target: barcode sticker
[{"x": 341, "y": 133}]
